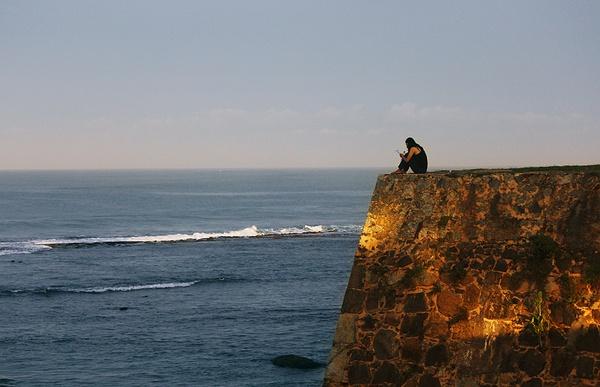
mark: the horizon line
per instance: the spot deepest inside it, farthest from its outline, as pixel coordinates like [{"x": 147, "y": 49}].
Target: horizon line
[{"x": 126, "y": 169}]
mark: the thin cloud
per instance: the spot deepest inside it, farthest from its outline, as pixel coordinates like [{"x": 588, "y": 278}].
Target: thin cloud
[{"x": 331, "y": 136}]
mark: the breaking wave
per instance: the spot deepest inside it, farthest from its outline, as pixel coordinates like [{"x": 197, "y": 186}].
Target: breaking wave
[
  {"x": 29, "y": 247},
  {"x": 7, "y": 248},
  {"x": 117, "y": 288}
]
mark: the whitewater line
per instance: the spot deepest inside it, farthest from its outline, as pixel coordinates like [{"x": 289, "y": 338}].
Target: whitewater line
[{"x": 33, "y": 246}]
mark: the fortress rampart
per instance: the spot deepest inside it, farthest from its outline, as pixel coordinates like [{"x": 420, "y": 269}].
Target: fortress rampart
[{"x": 475, "y": 278}]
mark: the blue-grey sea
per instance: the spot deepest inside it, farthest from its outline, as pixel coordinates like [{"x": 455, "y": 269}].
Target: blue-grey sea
[{"x": 173, "y": 278}]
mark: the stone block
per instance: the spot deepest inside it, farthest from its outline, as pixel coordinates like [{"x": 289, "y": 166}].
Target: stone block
[
  {"x": 404, "y": 261},
  {"x": 509, "y": 379},
  {"x": 393, "y": 318},
  {"x": 428, "y": 380},
  {"x": 488, "y": 263},
  {"x": 562, "y": 363},
  {"x": 353, "y": 301},
  {"x": 427, "y": 279},
  {"x": 492, "y": 278},
  {"x": 501, "y": 265},
  {"x": 532, "y": 362},
  {"x": 367, "y": 323},
  {"x": 386, "y": 344},
  {"x": 372, "y": 301},
  {"x": 357, "y": 277},
  {"x": 436, "y": 326},
  {"x": 468, "y": 330},
  {"x": 528, "y": 338},
  {"x": 361, "y": 354},
  {"x": 415, "y": 303},
  {"x": 393, "y": 277},
  {"x": 556, "y": 338},
  {"x": 467, "y": 381},
  {"x": 448, "y": 303},
  {"x": 562, "y": 313},
  {"x": 387, "y": 373},
  {"x": 412, "y": 349},
  {"x": 585, "y": 367},
  {"x": 497, "y": 305},
  {"x": 412, "y": 325},
  {"x": 336, "y": 367},
  {"x": 389, "y": 300},
  {"x": 589, "y": 340},
  {"x": 437, "y": 355},
  {"x": 346, "y": 329},
  {"x": 535, "y": 382},
  {"x": 471, "y": 296},
  {"x": 359, "y": 373},
  {"x": 507, "y": 361}
]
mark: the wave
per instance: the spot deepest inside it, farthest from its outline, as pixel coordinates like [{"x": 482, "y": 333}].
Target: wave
[
  {"x": 29, "y": 247},
  {"x": 8, "y": 248},
  {"x": 117, "y": 288}
]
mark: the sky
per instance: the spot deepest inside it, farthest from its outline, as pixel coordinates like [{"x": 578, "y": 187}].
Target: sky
[{"x": 297, "y": 84}]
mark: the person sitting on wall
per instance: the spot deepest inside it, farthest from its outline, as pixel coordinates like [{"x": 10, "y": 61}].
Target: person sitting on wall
[{"x": 415, "y": 158}]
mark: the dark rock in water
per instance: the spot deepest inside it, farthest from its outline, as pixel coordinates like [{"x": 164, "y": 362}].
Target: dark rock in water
[
  {"x": 123, "y": 307},
  {"x": 4, "y": 381},
  {"x": 294, "y": 361}
]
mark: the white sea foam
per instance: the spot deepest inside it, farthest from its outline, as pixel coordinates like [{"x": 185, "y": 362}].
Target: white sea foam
[
  {"x": 133, "y": 287},
  {"x": 8, "y": 248},
  {"x": 248, "y": 232},
  {"x": 303, "y": 230},
  {"x": 116, "y": 288}
]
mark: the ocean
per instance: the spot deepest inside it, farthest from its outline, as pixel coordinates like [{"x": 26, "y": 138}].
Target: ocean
[{"x": 174, "y": 278}]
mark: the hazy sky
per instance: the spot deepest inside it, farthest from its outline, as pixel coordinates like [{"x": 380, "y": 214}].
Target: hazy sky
[{"x": 205, "y": 84}]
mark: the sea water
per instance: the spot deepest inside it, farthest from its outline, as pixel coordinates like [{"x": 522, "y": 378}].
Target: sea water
[{"x": 173, "y": 277}]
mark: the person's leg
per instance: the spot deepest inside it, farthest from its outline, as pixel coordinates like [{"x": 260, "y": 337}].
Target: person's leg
[
  {"x": 418, "y": 168},
  {"x": 402, "y": 168}
]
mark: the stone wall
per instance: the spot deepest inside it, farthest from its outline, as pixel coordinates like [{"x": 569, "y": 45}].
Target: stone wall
[{"x": 475, "y": 279}]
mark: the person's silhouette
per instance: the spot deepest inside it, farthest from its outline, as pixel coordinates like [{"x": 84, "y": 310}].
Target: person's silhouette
[{"x": 415, "y": 158}]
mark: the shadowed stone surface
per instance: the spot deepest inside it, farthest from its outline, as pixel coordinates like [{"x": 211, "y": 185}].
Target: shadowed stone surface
[
  {"x": 528, "y": 338},
  {"x": 387, "y": 373},
  {"x": 585, "y": 367},
  {"x": 415, "y": 303},
  {"x": 411, "y": 349},
  {"x": 532, "y": 383},
  {"x": 589, "y": 340},
  {"x": 359, "y": 374},
  {"x": 556, "y": 338},
  {"x": 353, "y": 301},
  {"x": 445, "y": 286},
  {"x": 412, "y": 325},
  {"x": 429, "y": 381},
  {"x": 563, "y": 362},
  {"x": 385, "y": 344},
  {"x": 436, "y": 355},
  {"x": 361, "y": 354}
]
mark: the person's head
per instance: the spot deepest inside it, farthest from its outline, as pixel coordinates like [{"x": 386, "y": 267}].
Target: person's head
[{"x": 410, "y": 142}]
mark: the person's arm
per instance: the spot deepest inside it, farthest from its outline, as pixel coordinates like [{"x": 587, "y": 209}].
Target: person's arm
[{"x": 410, "y": 154}]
